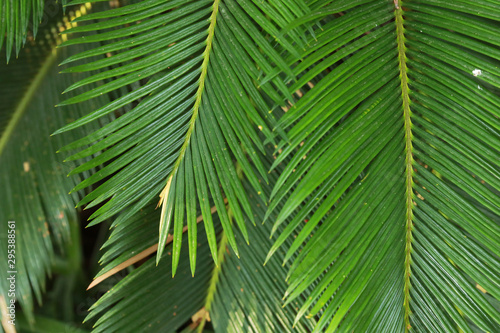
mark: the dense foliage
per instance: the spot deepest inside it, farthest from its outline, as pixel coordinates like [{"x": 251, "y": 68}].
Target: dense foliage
[{"x": 252, "y": 166}]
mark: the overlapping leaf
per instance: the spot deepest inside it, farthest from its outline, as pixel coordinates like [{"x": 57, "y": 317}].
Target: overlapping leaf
[
  {"x": 33, "y": 179},
  {"x": 395, "y": 153},
  {"x": 240, "y": 295},
  {"x": 248, "y": 296},
  {"x": 149, "y": 299},
  {"x": 387, "y": 203},
  {"x": 197, "y": 106}
]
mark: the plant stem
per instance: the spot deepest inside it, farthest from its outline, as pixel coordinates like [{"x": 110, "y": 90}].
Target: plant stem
[
  {"x": 196, "y": 107},
  {"x": 27, "y": 97},
  {"x": 221, "y": 252},
  {"x": 408, "y": 159}
]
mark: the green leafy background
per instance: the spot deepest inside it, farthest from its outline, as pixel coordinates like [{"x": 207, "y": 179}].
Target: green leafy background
[{"x": 363, "y": 134}]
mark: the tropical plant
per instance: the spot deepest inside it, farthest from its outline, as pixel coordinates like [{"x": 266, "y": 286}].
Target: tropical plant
[{"x": 352, "y": 147}]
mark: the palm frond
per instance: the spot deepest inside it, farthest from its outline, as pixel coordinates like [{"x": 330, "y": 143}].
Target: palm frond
[
  {"x": 384, "y": 187},
  {"x": 197, "y": 105},
  {"x": 394, "y": 151},
  {"x": 239, "y": 295},
  {"x": 246, "y": 296},
  {"x": 33, "y": 179},
  {"x": 149, "y": 299}
]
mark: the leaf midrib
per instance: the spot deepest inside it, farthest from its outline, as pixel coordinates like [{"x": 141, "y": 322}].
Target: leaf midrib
[
  {"x": 408, "y": 159},
  {"x": 201, "y": 87},
  {"x": 26, "y": 99},
  {"x": 214, "y": 280},
  {"x": 199, "y": 93}
]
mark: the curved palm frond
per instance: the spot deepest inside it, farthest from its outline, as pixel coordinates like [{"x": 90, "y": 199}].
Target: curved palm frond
[
  {"x": 33, "y": 179},
  {"x": 385, "y": 186},
  {"x": 246, "y": 296},
  {"x": 196, "y": 104},
  {"x": 239, "y": 295},
  {"x": 150, "y": 299},
  {"x": 395, "y": 151}
]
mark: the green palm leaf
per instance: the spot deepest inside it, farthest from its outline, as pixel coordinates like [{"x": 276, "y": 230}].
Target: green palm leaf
[
  {"x": 150, "y": 299},
  {"x": 246, "y": 296},
  {"x": 382, "y": 197},
  {"x": 33, "y": 179},
  {"x": 197, "y": 102},
  {"x": 240, "y": 295},
  {"x": 395, "y": 152}
]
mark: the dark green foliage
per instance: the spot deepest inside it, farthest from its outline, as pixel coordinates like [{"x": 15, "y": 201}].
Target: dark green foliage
[{"x": 365, "y": 134}]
